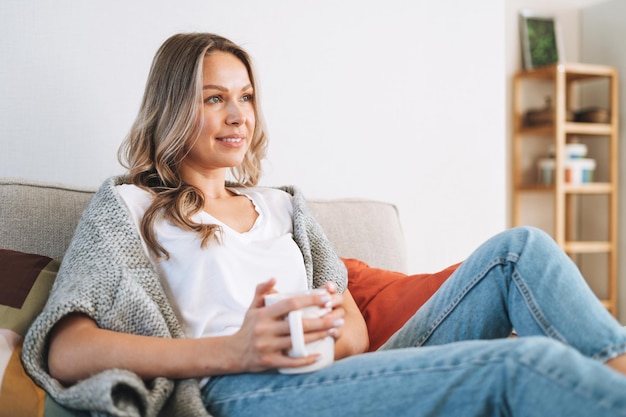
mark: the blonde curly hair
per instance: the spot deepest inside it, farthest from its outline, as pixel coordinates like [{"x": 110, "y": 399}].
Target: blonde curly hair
[{"x": 165, "y": 125}]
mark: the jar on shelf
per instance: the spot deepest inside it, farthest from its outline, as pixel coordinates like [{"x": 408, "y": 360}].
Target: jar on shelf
[{"x": 577, "y": 170}]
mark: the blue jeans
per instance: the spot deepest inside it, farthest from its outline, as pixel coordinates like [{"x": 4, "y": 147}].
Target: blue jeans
[{"x": 440, "y": 363}]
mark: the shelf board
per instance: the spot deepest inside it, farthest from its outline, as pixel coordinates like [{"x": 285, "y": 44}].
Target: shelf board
[
  {"x": 588, "y": 128},
  {"x": 587, "y": 247},
  {"x": 590, "y": 188},
  {"x": 574, "y": 71},
  {"x": 572, "y": 128},
  {"x": 534, "y": 188},
  {"x": 543, "y": 130}
]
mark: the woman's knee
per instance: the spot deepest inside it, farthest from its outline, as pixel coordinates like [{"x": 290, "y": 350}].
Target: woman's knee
[
  {"x": 528, "y": 239},
  {"x": 529, "y": 233}
]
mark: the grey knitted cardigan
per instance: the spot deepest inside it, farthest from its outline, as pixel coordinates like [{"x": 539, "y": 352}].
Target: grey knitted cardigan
[{"x": 106, "y": 275}]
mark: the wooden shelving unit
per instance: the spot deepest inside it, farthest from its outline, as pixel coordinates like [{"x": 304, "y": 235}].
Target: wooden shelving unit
[{"x": 563, "y": 79}]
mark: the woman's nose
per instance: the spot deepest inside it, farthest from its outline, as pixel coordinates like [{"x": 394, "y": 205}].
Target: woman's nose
[{"x": 236, "y": 115}]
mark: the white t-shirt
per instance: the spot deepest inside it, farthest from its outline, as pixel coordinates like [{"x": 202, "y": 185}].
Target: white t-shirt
[{"x": 211, "y": 288}]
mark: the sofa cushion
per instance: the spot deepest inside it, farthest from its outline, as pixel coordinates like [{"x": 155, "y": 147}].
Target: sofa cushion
[{"x": 387, "y": 299}]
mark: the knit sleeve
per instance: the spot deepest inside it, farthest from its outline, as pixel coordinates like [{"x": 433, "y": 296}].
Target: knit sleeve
[
  {"x": 106, "y": 276},
  {"x": 321, "y": 261}
]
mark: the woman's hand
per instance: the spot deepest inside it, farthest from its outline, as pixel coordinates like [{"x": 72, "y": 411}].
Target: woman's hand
[
  {"x": 264, "y": 336},
  {"x": 352, "y": 337}
]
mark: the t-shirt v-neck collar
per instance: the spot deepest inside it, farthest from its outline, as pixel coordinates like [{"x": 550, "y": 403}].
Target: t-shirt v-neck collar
[{"x": 206, "y": 217}]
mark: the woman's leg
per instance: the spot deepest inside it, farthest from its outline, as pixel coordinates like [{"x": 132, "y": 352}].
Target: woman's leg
[
  {"x": 507, "y": 377},
  {"x": 518, "y": 279}
]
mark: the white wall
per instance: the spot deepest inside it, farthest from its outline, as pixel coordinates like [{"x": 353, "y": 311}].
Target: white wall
[{"x": 392, "y": 100}]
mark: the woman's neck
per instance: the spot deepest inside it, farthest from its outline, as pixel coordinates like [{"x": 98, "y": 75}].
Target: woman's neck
[{"x": 211, "y": 184}]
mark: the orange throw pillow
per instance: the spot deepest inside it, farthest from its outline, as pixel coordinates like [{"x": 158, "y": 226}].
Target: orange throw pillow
[{"x": 388, "y": 299}]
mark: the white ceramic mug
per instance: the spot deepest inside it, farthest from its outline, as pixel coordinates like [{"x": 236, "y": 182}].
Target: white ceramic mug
[{"x": 324, "y": 347}]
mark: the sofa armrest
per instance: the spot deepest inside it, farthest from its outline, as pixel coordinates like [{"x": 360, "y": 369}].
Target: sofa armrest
[{"x": 39, "y": 217}]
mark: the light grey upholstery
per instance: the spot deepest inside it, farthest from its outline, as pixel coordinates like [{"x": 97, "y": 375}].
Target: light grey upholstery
[
  {"x": 368, "y": 230},
  {"x": 39, "y": 217}
]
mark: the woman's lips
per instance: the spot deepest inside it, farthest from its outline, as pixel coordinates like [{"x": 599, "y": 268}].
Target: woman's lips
[{"x": 232, "y": 140}]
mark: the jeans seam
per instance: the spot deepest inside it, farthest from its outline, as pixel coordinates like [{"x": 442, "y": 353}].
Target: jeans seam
[
  {"x": 610, "y": 352},
  {"x": 533, "y": 308},
  {"x": 455, "y": 302}
]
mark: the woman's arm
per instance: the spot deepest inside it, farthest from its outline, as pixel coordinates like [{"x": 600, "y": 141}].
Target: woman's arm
[{"x": 79, "y": 348}]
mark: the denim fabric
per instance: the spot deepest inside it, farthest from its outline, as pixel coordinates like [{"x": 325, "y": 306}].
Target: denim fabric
[{"x": 439, "y": 364}]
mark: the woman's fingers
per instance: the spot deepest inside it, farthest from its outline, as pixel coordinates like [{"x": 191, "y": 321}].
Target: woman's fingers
[{"x": 261, "y": 291}]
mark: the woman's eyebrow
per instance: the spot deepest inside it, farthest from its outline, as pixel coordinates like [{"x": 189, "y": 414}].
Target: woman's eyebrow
[
  {"x": 220, "y": 88},
  {"x": 214, "y": 87}
]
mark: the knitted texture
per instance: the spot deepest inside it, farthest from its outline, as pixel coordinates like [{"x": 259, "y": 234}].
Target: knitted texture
[
  {"x": 321, "y": 262},
  {"x": 107, "y": 276}
]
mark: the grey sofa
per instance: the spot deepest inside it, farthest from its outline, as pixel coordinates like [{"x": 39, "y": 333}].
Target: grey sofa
[{"x": 40, "y": 217}]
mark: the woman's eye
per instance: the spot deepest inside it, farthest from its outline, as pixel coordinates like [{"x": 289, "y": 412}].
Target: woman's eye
[
  {"x": 247, "y": 97},
  {"x": 212, "y": 100}
]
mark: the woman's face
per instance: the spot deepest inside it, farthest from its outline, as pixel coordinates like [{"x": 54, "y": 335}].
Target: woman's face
[{"x": 227, "y": 117}]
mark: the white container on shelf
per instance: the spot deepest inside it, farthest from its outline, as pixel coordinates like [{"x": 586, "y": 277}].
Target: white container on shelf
[
  {"x": 546, "y": 171},
  {"x": 577, "y": 170}
]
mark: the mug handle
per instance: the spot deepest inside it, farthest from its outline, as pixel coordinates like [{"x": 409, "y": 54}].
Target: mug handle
[{"x": 298, "y": 348}]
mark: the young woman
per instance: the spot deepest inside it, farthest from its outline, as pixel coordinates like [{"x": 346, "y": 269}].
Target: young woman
[{"x": 158, "y": 307}]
